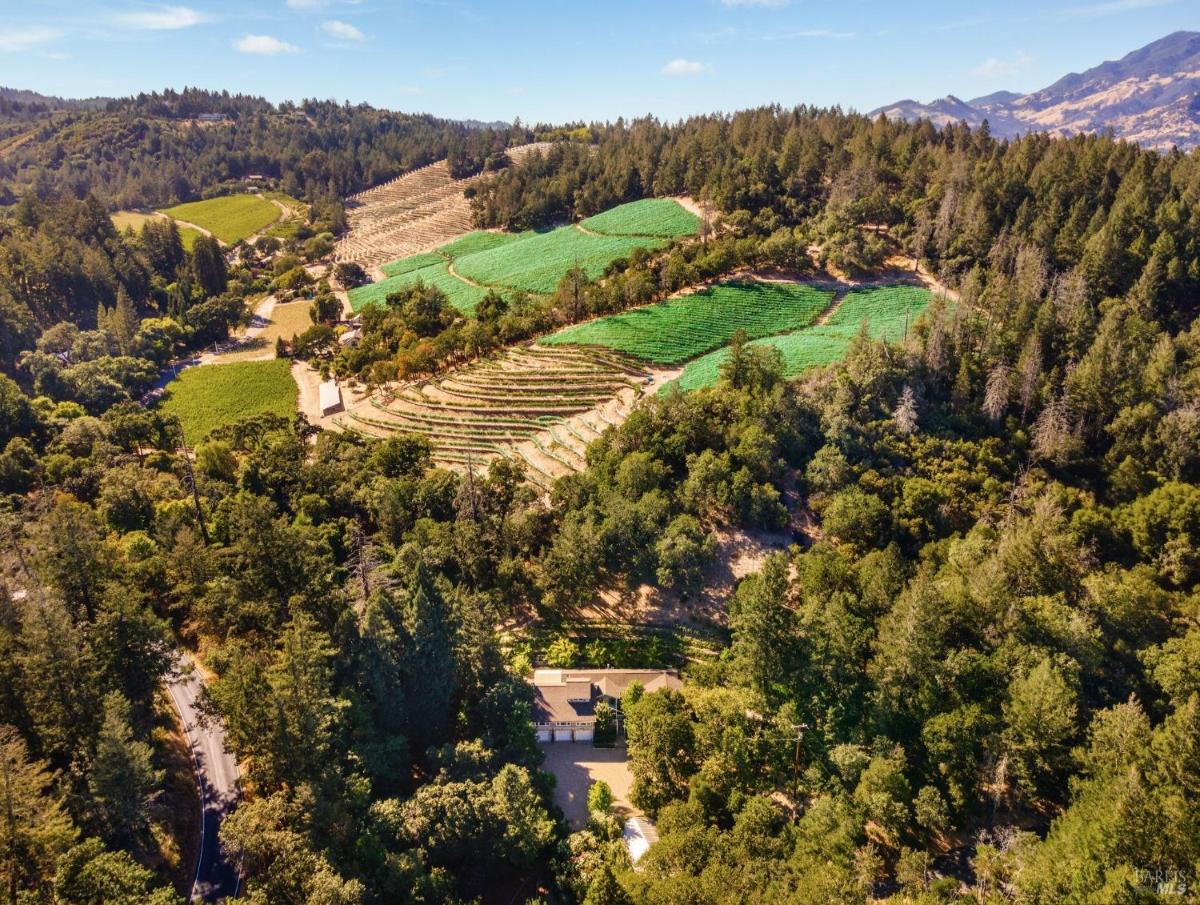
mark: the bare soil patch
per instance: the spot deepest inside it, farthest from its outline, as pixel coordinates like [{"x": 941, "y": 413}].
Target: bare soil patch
[{"x": 740, "y": 552}]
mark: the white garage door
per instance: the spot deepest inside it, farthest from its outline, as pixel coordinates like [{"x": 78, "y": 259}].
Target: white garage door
[
  {"x": 583, "y": 735},
  {"x": 544, "y": 735},
  {"x": 562, "y": 735}
]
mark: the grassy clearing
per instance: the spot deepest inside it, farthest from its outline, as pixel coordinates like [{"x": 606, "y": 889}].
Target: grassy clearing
[
  {"x": 684, "y": 327},
  {"x": 189, "y": 236},
  {"x": 659, "y": 217},
  {"x": 462, "y": 296},
  {"x": 287, "y": 320},
  {"x": 287, "y": 228},
  {"x": 298, "y": 207},
  {"x": 135, "y": 220},
  {"x": 230, "y": 218},
  {"x": 208, "y": 397},
  {"x": 884, "y": 310}
]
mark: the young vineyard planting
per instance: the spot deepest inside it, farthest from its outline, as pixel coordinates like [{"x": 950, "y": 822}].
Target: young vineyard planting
[
  {"x": 659, "y": 217},
  {"x": 886, "y": 312},
  {"x": 408, "y": 265},
  {"x": 689, "y": 325},
  {"x": 462, "y": 295},
  {"x": 538, "y": 405},
  {"x": 537, "y": 261},
  {"x": 481, "y": 240},
  {"x": 532, "y": 261}
]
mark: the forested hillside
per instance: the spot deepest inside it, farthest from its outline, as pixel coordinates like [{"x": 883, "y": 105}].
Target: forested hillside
[
  {"x": 153, "y": 150},
  {"x": 975, "y": 677}
]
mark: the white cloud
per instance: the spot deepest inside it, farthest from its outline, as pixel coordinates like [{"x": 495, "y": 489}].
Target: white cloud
[
  {"x": 808, "y": 33},
  {"x": 162, "y": 19},
  {"x": 320, "y": 4},
  {"x": 440, "y": 72},
  {"x": 265, "y": 45},
  {"x": 684, "y": 67},
  {"x": 343, "y": 31},
  {"x": 1112, "y": 8},
  {"x": 17, "y": 39},
  {"x": 993, "y": 68}
]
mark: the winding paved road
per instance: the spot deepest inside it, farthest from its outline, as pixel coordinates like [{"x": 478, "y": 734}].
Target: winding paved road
[{"x": 217, "y": 778}]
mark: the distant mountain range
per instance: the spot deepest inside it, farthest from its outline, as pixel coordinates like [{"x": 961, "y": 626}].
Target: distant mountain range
[{"x": 1150, "y": 96}]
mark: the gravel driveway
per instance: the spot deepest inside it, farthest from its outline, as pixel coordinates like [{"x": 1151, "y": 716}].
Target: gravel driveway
[{"x": 577, "y": 765}]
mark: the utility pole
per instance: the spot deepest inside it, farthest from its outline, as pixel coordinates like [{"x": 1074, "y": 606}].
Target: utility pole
[
  {"x": 191, "y": 480},
  {"x": 799, "y": 730}
]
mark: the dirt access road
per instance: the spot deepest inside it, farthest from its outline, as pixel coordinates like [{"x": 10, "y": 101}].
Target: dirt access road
[{"x": 218, "y": 779}]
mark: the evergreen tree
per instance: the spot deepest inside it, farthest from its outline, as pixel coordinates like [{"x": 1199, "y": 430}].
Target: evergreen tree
[
  {"x": 305, "y": 713},
  {"x": 89, "y": 875},
  {"x": 762, "y": 628},
  {"x": 122, "y": 322},
  {"x": 123, "y": 780},
  {"x": 208, "y": 266},
  {"x": 430, "y": 667},
  {"x": 34, "y": 826}
]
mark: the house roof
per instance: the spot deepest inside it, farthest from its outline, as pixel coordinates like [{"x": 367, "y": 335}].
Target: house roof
[
  {"x": 329, "y": 395},
  {"x": 570, "y": 695}
]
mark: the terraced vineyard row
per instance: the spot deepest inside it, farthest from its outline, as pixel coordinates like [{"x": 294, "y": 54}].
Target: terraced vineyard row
[
  {"x": 410, "y": 214},
  {"x": 542, "y": 406},
  {"x": 886, "y": 311},
  {"x": 689, "y": 325}
]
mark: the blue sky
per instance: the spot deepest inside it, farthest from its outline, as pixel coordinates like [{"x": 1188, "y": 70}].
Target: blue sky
[{"x": 558, "y": 60}]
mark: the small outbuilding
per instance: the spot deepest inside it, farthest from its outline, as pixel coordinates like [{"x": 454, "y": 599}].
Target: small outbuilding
[
  {"x": 330, "y": 398},
  {"x": 639, "y": 834}
]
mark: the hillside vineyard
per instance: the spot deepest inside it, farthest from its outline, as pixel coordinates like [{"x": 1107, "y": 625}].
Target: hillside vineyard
[{"x": 785, "y": 506}]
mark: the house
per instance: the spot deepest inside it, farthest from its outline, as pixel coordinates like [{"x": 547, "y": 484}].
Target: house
[
  {"x": 213, "y": 117},
  {"x": 564, "y": 700},
  {"x": 330, "y": 398}
]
